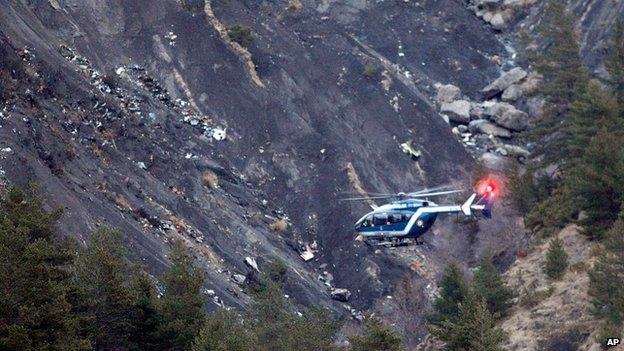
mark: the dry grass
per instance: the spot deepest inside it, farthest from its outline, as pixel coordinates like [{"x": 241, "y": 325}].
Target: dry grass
[
  {"x": 279, "y": 225},
  {"x": 294, "y": 5},
  {"x": 210, "y": 180}
]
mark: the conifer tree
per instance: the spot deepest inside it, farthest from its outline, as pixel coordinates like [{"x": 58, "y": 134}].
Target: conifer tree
[
  {"x": 556, "y": 259},
  {"x": 596, "y": 108},
  {"x": 607, "y": 277},
  {"x": 452, "y": 292},
  {"x": 181, "y": 303},
  {"x": 223, "y": 331},
  {"x": 35, "y": 311},
  {"x": 101, "y": 276},
  {"x": 146, "y": 318},
  {"x": 376, "y": 337},
  {"x": 614, "y": 63},
  {"x": 489, "y": 286},
  {"x": 565, "y": 79},
  {"x": 473, "y": 329},
  {"x": 598, "y": 182}
]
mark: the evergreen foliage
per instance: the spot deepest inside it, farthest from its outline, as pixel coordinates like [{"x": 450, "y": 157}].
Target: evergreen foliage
[
  {"x": 181, "y": 303},
  {"x": 565, "y": 79},
  {"x": 607, "y": 277},
  {"x": 614, "y": 63},
  {"x": 101, "y": 275},
  {"x": 488, "y": 286},
  {"x": 35, "y": 308},
  {"x": 556, "y": 260},
  {"x": 452, "y": 292},
  {"x": 473, "y": 329},
  {"x": 376, "y": 337},
  {"x": 223, "y": 331}
]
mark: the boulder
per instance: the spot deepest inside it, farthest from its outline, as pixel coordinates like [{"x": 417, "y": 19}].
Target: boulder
[
  {"x": 496, "y": 110},
  {"x": 516, "y": 151},
  {"x": 458, "y": 110},
  {"x": 493, "y": 161},
  {"x": 515, "y": 120},
  {"x": 504, "y": 81},
  {"x": 462, "y": 128},
  {"x": 498, "y": 21},
  {"x": 447, "y": 93},
  {"x": 476, "y": 111},
  {"x": 486, "y": 127},
  {"x": 531, "y": 83},
  {"x": 340, "y": 294},
  {"x": 513, "y": 93}
]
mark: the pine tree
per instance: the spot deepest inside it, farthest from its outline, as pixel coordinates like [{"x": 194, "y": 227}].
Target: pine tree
[
  {"x": 489, "y": 286},
  {"x": 35, "y": 311},
  {"x": 565, "y": 80},
  {"x": 452, "y": 292},
  {"x": 313, "y": 331},
  {"x": 223, "y": 331},
  {"x": 101, "y": 275},
  {"x": 146, "y": 318},
  {"x": 376, "y": 337},
  {"x": 614, "y": 63},
  {"x": 181, "y": 303},
  {"x": 556, "y": 259},
  {"x": 607, "y": 277},
  {"x": 473, "y": 329},
  {"x": 596, "y": 108},
  {"x": 598, "y": 182}
]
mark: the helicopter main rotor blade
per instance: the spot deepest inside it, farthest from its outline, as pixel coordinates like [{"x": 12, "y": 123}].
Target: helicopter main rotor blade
[
  {"x": 435, "y": 188},
  {"x": 439, "y": 193},
  {"x": 368, "y": 198}
]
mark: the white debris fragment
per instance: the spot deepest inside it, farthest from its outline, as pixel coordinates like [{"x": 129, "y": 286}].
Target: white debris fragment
[
  {"x": 141, "y": 165},
  {"x": 7, "y": 150},
  {"x": 120, "y": 70},
  {"x": 251, "y": 262},
  {"x": 219, "y": 134},
  {"x": 307, "y": 255}
]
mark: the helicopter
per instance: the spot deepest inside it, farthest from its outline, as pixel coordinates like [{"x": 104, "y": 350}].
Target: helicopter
[{"x": 403, "y": 221}]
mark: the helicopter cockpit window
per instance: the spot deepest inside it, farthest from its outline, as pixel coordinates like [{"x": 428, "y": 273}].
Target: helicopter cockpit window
[
  {"x": 368, "y": 221},
  {"x": 380, "y": 219},
  {"x": 395, "y": 218}
]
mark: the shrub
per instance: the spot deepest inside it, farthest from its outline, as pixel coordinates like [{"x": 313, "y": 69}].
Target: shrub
[
  {"x": 279, "y": 225},
  {"x": 210, "y": 180},
  {"x": 240, "y": 34},
  {"x": 370, "y": 70},
  {"x": 556, "y": 260}
]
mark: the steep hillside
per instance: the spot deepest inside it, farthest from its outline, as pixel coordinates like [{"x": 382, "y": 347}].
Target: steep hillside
[
  {"x": 553, "y": 315},
  {"x": 112, "y": 108}
]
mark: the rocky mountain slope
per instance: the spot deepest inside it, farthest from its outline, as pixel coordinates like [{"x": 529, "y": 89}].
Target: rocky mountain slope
[{"x": 145, "y": 116}]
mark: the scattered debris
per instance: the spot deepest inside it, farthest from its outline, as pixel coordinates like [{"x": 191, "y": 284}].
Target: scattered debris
[
  {"x": 409, "y": 149},
  {"x": 251, "y": 263},
  {"x": 340, "y": 294},
  {"x": 172, "y": 38}
]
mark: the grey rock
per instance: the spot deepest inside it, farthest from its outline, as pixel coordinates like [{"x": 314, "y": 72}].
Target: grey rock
[
  {"x": 447, "y": 93},
  {"x": 496, "y": 110},
  {"x": 515, "y": 120},
  {"x": 504, "y": 81},
  {"x": 516, "y": 151},
  {"x": 462, "y": 128},
  {"x": 493, "y": 161},
  {"x": 486, "y": 127},
  {"x": 513, "y": 93},
  {"x": 458, "y": 111},
  {"x": 498, "y": 21}
]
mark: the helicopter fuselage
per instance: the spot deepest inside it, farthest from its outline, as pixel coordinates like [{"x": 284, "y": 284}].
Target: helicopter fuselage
[{"x": 399, "y": 219}]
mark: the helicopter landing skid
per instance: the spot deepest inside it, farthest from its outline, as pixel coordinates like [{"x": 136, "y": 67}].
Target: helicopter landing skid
[{"x": 393, "y": 242}]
